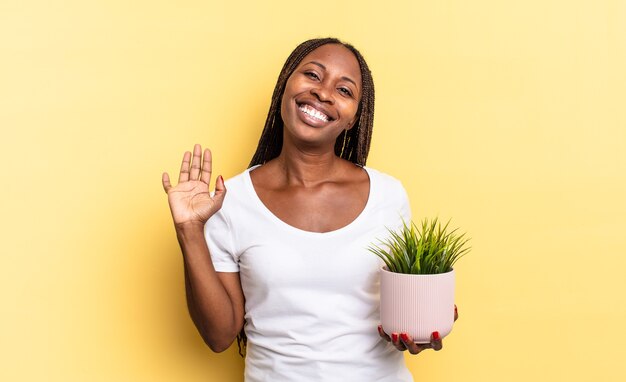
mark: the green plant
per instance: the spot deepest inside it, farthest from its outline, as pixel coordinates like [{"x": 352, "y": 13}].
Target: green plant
[{"x": 426, "y": 250}]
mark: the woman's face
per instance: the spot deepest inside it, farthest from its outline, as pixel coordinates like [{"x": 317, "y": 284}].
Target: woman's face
[{"x": 322, "y": 95}]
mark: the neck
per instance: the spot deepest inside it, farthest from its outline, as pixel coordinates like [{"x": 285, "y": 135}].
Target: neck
[{"x": 307, "y": 168}]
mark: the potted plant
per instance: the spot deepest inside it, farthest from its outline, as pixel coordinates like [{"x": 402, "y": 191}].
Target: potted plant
[{"x": 417, "y": 280}]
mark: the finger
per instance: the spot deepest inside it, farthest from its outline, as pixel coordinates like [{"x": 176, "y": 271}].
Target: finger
[
  {"x": 165, "y": 179},
  {"x": 410, "y": 345},
  {"x": 195, "y": 162},
  {"x": 382, "y": 333},
  {"x": 184, "y": 168},
  {"x": 220, "y": 192},
  {"x": 207, "y": 167},
  {"x": 395, "y": 340},
  {"x": 422, "y": 347},
  {"x": 435, "y": 341},
  {"x": 456, "y": 313}
]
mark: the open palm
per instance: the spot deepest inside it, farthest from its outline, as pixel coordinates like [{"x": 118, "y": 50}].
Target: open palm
[{"x": 190, "y": 200}]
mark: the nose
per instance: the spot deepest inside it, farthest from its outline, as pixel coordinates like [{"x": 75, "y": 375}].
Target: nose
[{"x": 323, "y": 92}]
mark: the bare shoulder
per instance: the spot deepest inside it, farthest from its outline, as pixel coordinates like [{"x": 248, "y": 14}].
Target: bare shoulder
[
  {"x": 262, "y": 176},
  {"x": 353, "y": 174}
]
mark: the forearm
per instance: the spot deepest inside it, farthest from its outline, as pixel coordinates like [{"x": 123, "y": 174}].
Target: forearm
[
  {"x": 193, "y": 312},
  {"x": 209, "y": 304}
]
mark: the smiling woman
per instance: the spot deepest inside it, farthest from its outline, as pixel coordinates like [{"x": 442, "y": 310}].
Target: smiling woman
[
  {"x": 280, "y": 260},
  {"x": 322, "y": 93},
  {"x": 353, "y": 144}
]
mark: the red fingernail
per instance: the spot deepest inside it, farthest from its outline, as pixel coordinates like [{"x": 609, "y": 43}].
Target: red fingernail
[
  {"x": 394, "y": 337},
  {"x": 455, "y": 310},
  {"x": 436, "y": 336},
  {"x": 380, "y": 329},
  {"x": 404, "y": 337}
]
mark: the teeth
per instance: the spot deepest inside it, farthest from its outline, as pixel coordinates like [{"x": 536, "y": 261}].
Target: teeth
[{"x": 313, "y": 112}]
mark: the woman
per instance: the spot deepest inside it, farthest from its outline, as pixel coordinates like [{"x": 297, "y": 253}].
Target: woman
[{"x": 284, "y": 251}]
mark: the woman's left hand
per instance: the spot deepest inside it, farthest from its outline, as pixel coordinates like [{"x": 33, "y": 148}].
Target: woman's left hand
[{"x": 402, "y": 341}]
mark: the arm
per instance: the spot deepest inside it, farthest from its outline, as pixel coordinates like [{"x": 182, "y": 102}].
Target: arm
[{"x": 214, "y": 299}]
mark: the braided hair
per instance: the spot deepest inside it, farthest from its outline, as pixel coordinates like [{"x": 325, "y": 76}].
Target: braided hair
[{"x": 353, "y": 144}]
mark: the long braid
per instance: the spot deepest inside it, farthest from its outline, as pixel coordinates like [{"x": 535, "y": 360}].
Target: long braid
[{"x": 352, "y": 145}]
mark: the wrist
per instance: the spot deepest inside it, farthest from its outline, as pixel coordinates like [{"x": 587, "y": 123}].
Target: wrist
[{"x": 189, "y": 226}]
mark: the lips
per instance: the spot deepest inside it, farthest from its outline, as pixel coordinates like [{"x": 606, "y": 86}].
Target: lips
[{"x": 314, "y": 113}]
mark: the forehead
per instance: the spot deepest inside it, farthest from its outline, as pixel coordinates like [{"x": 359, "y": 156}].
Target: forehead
[{"x": 336, "y": 58}]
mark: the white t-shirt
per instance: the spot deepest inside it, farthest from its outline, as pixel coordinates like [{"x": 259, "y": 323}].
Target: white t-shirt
[{"x": 312, "y": 299}]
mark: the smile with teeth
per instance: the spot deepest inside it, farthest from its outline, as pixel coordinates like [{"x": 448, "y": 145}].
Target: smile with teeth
[{"x": 312, "y": 112}]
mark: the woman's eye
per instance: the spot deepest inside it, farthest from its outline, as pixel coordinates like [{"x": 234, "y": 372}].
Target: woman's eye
[
  {"x": 312, "y": 75},
  {"x": 346, "y": 91}
]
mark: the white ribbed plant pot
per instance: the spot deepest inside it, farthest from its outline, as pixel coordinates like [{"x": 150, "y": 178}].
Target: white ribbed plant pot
[{"x": 417, "y": 304}]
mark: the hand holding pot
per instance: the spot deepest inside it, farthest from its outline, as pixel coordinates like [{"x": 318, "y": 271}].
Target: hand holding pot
[{"x": 402, "y": 341}]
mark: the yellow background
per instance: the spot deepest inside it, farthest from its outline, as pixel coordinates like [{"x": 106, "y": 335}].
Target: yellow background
[{"x": 506, "y": 116}]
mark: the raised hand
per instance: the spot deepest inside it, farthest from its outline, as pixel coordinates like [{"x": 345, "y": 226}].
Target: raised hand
[
  {"x": 404, "y": 342},
  {"x": 190, "y": 200}
]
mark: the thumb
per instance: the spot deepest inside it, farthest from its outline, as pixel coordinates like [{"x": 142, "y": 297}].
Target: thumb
[{"x": 220, "y": 190}]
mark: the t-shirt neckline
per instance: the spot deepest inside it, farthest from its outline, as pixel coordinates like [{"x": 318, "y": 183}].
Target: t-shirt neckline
[{"x": 268, "y": 213}]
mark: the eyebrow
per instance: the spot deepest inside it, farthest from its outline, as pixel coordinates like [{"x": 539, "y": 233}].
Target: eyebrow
[{"x": 343, "y": 78}]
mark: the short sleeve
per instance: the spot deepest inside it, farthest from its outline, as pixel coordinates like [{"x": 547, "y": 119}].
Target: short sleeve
[{"x": 219, "y": 239}]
